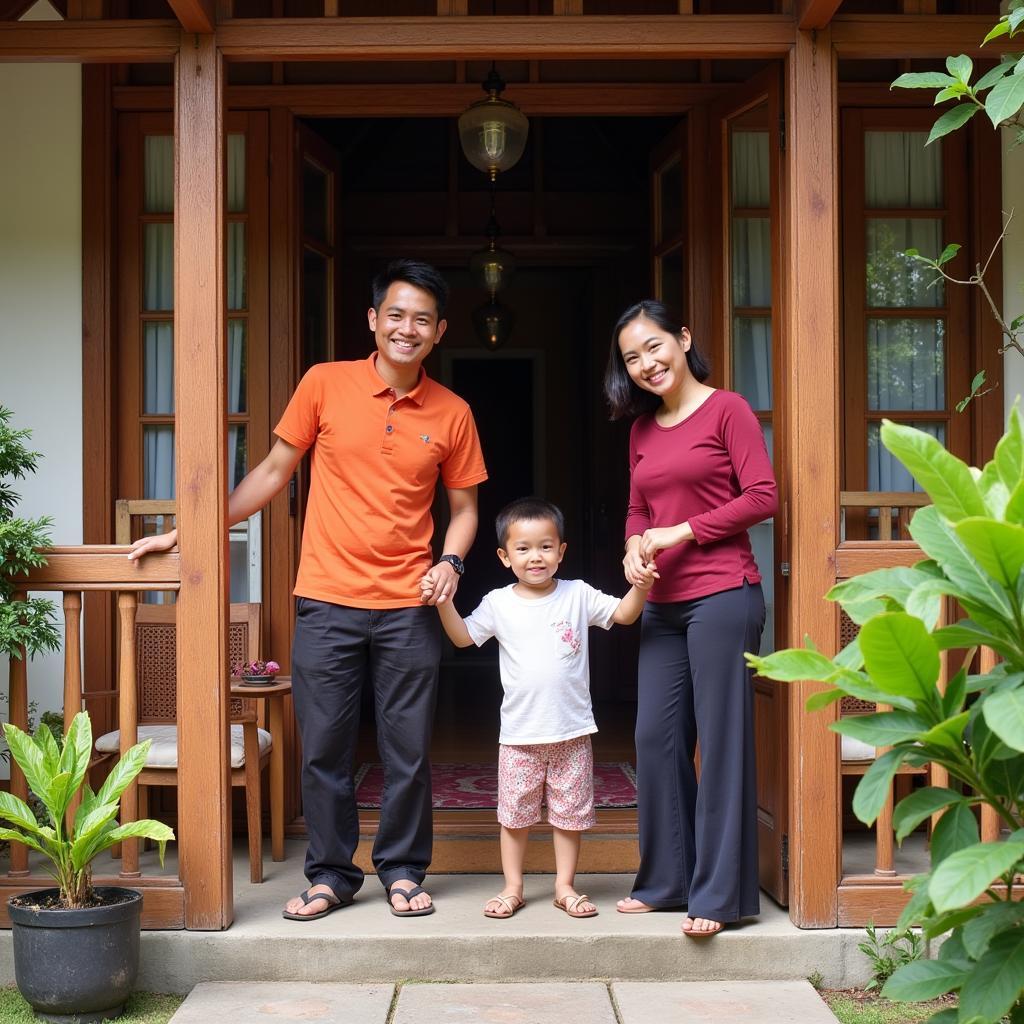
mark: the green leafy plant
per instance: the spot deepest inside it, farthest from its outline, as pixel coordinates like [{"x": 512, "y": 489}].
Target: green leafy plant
[
  {"x": 889, "y": 952},
  {"x": 972, "y": 537},
  {"x": 56, "y": 776},
  {"x": 27, "y": 624}
]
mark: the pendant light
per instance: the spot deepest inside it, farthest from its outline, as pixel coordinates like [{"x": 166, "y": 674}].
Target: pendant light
[{"x": 493, "y": 131}]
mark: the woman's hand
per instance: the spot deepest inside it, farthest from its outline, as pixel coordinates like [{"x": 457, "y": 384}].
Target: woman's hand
[
  {"x": 153, "y": 545},
  {"x": 638, "y": 573},
  {"x": 659, "y": 538}
]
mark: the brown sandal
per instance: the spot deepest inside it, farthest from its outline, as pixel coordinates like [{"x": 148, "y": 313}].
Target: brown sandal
[
  {"x": 512, "y": 903},
  {"x": 570, "y": 904}
]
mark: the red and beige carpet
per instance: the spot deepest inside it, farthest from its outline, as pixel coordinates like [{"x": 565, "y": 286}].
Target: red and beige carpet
[{"x": 464, "y": 787}]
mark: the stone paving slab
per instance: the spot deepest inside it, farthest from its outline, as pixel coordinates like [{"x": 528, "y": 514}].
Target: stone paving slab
[
  {"x": 523, "y": 1003},
  {"x": 721, "y": 1002},
  {"x": 285, "y": 1003}
]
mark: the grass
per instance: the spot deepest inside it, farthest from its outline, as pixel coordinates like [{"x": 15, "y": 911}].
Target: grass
[
  {"x": 858, "y": 1007},
  {"x": 143, "y": 1008}
]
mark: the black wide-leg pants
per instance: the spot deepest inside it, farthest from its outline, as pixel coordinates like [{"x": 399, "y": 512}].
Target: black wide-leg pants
[
  {"x": 336, "y": 651},
  {"x": 698, "y": 839}
]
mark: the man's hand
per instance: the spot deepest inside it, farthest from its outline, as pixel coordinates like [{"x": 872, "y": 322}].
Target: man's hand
[
  {"x": 153, "y": 545},
  {"x": 439, "y": 584}
]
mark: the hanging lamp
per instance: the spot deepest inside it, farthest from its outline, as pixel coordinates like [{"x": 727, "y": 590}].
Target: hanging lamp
[{"x": 493, "y": 131}]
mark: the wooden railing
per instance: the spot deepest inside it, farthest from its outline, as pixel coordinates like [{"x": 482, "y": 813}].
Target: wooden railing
[{"x": 70, "y": 571}]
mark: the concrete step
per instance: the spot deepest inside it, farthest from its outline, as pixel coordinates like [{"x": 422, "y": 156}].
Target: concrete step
[{"x": 626, "y": 1003}]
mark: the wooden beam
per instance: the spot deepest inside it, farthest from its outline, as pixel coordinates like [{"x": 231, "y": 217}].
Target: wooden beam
[
  {"x": 506, "y": 38},
  {"x": 88, "y": 42},
  {"x": 812, "y": 487},
  {"x": 200, "y": 394},
  {"x": 915, "y": 35},
  {"x": 195, "y": 15},
  {"x": 815, "y": 14},
  {"x": 12, "y": 10}
]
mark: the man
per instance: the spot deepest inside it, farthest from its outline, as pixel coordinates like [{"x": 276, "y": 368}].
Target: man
[{"x": 380, "y": 433}]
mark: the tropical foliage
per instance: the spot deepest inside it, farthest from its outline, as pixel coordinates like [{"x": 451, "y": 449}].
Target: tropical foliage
[
  {"x": 972, "y": 537},
  {"x": 56, "y": 776}
]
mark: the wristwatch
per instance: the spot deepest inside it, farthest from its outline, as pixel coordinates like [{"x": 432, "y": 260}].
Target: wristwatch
[{"x": 455, "y": 562}]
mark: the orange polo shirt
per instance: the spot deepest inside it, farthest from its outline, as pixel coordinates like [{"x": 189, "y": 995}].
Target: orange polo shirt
[{"x": 375, "y": 463}]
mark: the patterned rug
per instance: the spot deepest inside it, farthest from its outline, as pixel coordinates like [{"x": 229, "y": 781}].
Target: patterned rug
[{"x": 475, "y": 786}]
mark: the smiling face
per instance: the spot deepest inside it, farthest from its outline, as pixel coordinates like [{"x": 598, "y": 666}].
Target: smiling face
[
  {"x": 533, "y": 551},
  {"x": 655, "y": 359},
  {"x": 406, "y": 329}
]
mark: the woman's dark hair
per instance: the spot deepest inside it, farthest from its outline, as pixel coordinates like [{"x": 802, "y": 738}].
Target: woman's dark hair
[
  {"x": 625, "y": 398},
  {"x": 527, "y": 510},
  {"x": 414, "y": 272}
]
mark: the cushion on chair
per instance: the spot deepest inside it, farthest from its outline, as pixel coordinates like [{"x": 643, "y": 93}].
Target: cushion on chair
[
  {"x": 852, "y": 750},
  {"x": 164, "y": 750}
]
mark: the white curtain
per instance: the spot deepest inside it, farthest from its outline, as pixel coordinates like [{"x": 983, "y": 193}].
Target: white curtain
[
  {"x": 236, "y": 266},
  {"x": 158, "y": 174},
  {"x": 236, "y": 173},
  {"x": 750, "y": 176},
  {"x": 752, "y": 360},
  {"x": 899, "y": 171},
  {"x": 158, "y": 385}
]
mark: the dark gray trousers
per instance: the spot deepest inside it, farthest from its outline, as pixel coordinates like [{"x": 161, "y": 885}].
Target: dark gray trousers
[
  {"x": 698, "y": 839},
  {"x": 336, "y": 651}
]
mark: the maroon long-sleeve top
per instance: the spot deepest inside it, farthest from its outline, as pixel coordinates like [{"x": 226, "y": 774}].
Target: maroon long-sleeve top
[{"x": 710, "y": 470}]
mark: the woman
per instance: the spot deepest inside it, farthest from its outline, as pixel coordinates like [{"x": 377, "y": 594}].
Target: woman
[{"x": 700, "y": 476}]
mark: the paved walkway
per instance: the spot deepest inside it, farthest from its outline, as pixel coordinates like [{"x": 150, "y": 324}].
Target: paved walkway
[{"x": 736, "y": 1002}]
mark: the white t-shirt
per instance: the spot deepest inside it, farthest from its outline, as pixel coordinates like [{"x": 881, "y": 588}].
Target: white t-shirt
[{"x": 543, "y": 656}]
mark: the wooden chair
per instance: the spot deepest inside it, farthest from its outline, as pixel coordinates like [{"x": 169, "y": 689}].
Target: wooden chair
[{"x": 156, "y": 668}]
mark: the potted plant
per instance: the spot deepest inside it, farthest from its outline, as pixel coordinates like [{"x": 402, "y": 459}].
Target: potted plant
[
  {"x": 76, "y": 947},
  {"x": 256, "y": 673}
]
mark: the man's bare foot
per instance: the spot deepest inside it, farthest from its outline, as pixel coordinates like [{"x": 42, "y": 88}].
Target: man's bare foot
[
  {"x": 300, "y": 907},
  {"x": 701, "y": 927},
  {"x": 420, "y": 901},
  {"x": 632, "y": 906}
]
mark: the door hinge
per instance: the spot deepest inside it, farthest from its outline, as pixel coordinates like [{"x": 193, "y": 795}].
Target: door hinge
[
  {"x": 782, "y": 133},
  {"x": 784, "y": 569},
  {"x": 293, "y": 496}
]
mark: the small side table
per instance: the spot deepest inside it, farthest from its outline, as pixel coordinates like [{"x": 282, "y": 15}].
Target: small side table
[{"x": 274, "y": 694}]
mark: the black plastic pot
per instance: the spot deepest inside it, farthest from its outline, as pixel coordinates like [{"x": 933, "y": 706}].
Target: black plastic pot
[{"x": 77, "y": 966}]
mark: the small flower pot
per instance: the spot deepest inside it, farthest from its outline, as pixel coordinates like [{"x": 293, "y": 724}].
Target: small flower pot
[
  {"x": 257, "y": 680},
  {"x": 76, "y": 965}
]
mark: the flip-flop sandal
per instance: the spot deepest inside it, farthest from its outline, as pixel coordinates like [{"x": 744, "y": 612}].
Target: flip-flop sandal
[
  {"x": 694, "y": 934},
  {"x": 408, "y": 894},
  {"x": 512, "y": 903},
  {"x": 307, "y": 897},
  {"x": 642, "y": 910},
  {"x": 568, "y": 904}
]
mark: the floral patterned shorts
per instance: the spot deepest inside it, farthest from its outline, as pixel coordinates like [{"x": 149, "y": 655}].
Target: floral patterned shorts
[{"x": 562, "y": 774}]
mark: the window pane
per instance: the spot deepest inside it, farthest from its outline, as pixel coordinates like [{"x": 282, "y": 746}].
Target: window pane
[
  {"x": 762, "y": 543},
  {"x": 750, "y": 176},
  {"x": 895, "y": 280},
  {"x": 906, "y": 364},
  {"x": 238, "y": 455},
  {"x": 314, "y": 308},
  {"x": 670, "y": 290},
  {"x": 885, "y": 472},
  {"x": 751, "y": 261},
  {"x": 158, "y": 266},
  {"x": 769, "y": 439},
  {"x": 900, "y": 171},
  {"x": 314, "y": 202},
  {"x": 236, "y": 173},
  {"x": 236, "y": 266},
  {"x": 158, "y": 171},
  {"x": 670, "y": 190},
  {"x": 752, "y": 360},
  {"x": 158, "y": 368},
  {"x": 158, "y": 462},
  {"x": 237, "y": 366}
]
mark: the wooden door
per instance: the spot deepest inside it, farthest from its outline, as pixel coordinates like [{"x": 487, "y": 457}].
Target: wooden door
[{"x": 746, "y": 140}]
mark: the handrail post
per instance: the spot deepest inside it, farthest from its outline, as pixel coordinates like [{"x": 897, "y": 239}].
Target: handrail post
[
  {"x": 72, "y": 673},
  {"x": 128, "y": 724},
  {"x": 17, "y": 705}
]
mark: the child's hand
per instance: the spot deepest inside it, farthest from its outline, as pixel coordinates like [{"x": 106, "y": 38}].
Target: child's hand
[
  {"x": 426, "y": 589},
  {"x": 646, "y": 576}
]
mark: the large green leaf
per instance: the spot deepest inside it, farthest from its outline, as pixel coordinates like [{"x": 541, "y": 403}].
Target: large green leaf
[
  {"x": 998, "y": 547},
  {"x": 1005, "y": 99},
  {"x": 960, "y": 67},
  {"x": 925, "y": 601},
  {"x": 13, "y": 836},
  {"x": 1014, "y": 511},
  {"x": 122, "y": 774},
  {"x": 948, "y": 734},
  {"x": 918, "y": 904},
  {"x": 858, "y": 685},
  {"x": 876, "y": 785},
  {"x": 995, "y": 981},
  {"x": 77, "y": 749},
  {"x": 947, "y": 480},
  {"x": 1004, "y": 713},
  {"x": 17, "y": 812},
  {"x": 994, "y": 918},
  {"x": 82, "y": 849},
  {"x": 956, "y": 830},
  {"x": 925, "y": 979},
  {"x": 145, "y": 829},
  {"x": 44, "y": 740},
  {"x": 991, "y": 77},
  {"x": 956, "y": 693},
  {"x": 951, "y": 120},
  {"x": 963, "y": 876},
  {"x": 924, "y": 80},
  {"x": 1009, "y": 453},
  {"x": 921, "y": 804},
  {"x": 795, "y": 664},
  {"x": 822, "y": 699},
  {"x": 883, "y": 729},
  {"x": 30, "y": 760},
  {"x": 994, "y": 491},
  {"x": 896, "y": 583},
  {"x": 900, "y": 656}
]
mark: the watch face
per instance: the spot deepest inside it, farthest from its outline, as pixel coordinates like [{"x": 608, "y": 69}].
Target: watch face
[{"x": 455, "y": 562}]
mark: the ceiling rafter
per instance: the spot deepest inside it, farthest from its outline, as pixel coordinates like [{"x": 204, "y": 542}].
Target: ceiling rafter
[
  {"x": 812, "y": 14},
  {"x": 195, "y": 15}
]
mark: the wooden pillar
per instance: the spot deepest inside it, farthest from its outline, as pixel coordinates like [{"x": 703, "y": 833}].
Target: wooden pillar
[
  {"x": 204, "y": 786},
  {"x": 812, "y": 468},
  {"x": 17, "y": 711},
  {"x": 128, "y": 723}
]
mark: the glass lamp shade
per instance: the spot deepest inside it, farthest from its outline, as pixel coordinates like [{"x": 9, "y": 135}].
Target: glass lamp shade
[
  {"x": 493, "y": 324},
  {"x": 492, "y": 267},
  {"x": 493, "y": 134}
]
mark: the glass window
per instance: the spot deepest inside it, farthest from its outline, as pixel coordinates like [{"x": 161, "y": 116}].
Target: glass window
[
  {"x": 897, "y": 281},
  {"x": 158, "y": 462},
  {"x": 751, "y": 261},
  {"x": 158, "y": 367},
  {"x": 901, "y": 171},
  {"x": 752, "y": 360},
  {"x": 236, "y": 173},
  {"x": 885, "y": 471},
  {"x": 238, "y": 357},
  {"x": 158, "y": 266},
  {"x": 906, "y": 364},
  {"x": 158, "y": 174},
  {"x": 236, "y": 266}
]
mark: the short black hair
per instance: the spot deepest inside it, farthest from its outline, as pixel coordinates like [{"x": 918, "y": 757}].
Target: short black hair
[
  {"x": 523, "y": 510},
  {"x": 414, "y": 272},
  {"x": 625, "y": 398}
]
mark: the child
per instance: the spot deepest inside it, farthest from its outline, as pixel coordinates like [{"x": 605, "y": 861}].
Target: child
[{"x": 541, "y": 624}]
